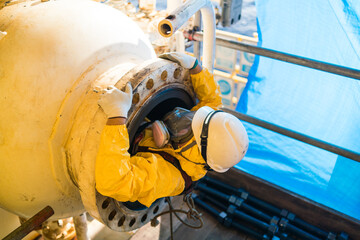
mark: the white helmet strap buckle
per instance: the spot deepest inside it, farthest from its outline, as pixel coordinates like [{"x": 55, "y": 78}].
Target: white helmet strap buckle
[{"x": 204, "y": 136}]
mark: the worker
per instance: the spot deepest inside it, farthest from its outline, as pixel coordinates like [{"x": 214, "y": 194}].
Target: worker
[{"x": 172, "y": 153}]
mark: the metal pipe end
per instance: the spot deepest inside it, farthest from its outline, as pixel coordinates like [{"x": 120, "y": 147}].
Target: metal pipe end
[{"x": 165, "y": 28}]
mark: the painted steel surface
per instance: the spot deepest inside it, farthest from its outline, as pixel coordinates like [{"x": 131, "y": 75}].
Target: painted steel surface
[{"x": 50, "y": 58}]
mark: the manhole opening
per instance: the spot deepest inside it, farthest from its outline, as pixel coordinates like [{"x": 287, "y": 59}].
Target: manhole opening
[{"x": 160, "y": 104}]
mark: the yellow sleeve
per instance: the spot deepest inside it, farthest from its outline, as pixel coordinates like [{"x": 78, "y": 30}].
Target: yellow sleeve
[
  {"x": 207, "y": 90},
  {"x": 144, "y": 177}
]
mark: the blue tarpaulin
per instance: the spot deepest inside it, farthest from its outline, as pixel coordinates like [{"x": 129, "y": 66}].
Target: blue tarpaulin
[{"x": 322, "y": 105}]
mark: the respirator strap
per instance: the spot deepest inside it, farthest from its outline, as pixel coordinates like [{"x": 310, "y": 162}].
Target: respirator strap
[{"x": 205, "y": 133}]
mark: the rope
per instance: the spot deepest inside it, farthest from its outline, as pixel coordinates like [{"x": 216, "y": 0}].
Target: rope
[{"x": 192, "y": 214}]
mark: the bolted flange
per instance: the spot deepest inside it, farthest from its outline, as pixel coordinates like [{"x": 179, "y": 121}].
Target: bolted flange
[{"x": 158, "y": 87}]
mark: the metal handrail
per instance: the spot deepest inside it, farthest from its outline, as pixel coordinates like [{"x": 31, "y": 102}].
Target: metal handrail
[
  {"x": 302, "y": 61},
  {"x": 307, "y": 62},
  {"x": 295, "y": 135}
]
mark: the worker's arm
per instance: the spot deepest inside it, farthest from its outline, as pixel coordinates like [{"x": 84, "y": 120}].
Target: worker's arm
[
  {"x": 206, "y": 88},
  {"x": 144, "y": 177},
  {"x": 126, "y": 178}
]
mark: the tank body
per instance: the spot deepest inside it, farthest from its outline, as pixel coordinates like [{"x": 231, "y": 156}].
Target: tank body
[{"x": 50, "y": 59}]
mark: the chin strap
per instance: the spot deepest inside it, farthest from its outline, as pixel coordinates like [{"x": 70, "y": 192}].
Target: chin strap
[{"x": 204, "y": 135}]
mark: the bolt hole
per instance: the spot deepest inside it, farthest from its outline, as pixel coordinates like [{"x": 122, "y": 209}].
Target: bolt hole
[
  {"x": 239, "y": 16},
  {"x": 136, "y": 98},
  {"x": 121, "y": 221},
  {"x": 232, "y": 21},
  {"x": 156, "y": 209},
  {"x": 170, "y": 17},
  {"x": 112, "y": 215},
  {"x": 143, "y": 218},
  {"x": 177, "y": 73},
  {"x": 132, "y": 222},
  {"x": 150, "y": 84},
  {"x": 164, "y": 75},
  {"x": 105, "y": 203}
]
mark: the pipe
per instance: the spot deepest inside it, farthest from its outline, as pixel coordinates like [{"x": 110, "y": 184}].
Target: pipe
[
  {"x": 254, "y": 212},
  {"x": 222, "y": 217},
  {"x": 232, "y": 190},
  {"x": 247, "y": 218},
  {"x": 168, "y": 26},
  {"x": 31, "y": 224},
  {"x": 298, "y": 232},
  {"x": 171, "y": 5},
  {"x": 284, "y": 223},
  {"x": 302, "y": 61},
  {"x": 197, "y": 45},
  {"x": 266, "y": 206},
  {"x": 81, "y": 227},
  {"x": 227, "y": 198},
  {"x": 207, "y": 207},
  {"x": 249, "y": 209},
  {"x": 179, "y": 42},
  {"x": 307, "y": 227},
  {"x": 222, "y": 186},
  {"x": 213, "y": 192},
  {"x": 295, "y": 135}
]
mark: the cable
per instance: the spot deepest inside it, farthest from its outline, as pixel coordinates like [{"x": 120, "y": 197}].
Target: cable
[{"x": 192, "y": 214}]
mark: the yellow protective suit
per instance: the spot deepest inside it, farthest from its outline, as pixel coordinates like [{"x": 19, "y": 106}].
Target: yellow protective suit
[{"x": 146, "y": 176}]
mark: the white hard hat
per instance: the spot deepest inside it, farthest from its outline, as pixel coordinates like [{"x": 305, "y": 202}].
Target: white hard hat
[{"x": 227, "y": 140}]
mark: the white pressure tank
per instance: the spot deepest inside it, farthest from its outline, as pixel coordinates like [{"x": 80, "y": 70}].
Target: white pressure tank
[{"x": 54, "y": 57}]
